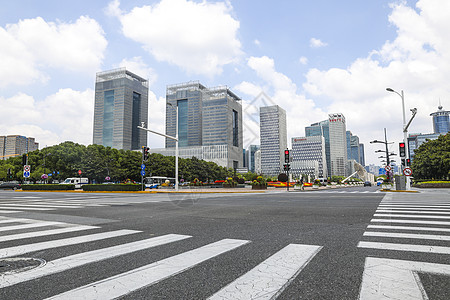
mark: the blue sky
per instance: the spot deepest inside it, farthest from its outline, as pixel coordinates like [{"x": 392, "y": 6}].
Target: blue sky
[{"x": 310, "y": 57}]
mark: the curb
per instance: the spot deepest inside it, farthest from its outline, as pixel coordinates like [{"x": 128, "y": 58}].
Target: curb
[
  {"x": 147, "y": 192},
  {"x": 399, "y": 191}
]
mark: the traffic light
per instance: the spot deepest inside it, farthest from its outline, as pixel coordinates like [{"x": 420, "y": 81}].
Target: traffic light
[
  {"x": 145, "y": 153},
  {"x": 286, "y": 156},
  {"x": 402, "y": 149},
  {"x": 24, "y": 159},
  {"x": 408, "y": 162},
  {"x": 286, "y": 167}
]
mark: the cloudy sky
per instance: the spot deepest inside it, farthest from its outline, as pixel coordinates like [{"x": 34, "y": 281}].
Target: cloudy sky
[{"x": 310, "y": 57}]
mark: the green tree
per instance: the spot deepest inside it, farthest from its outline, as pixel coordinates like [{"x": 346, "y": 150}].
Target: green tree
[{"x": 432, "y": 159}]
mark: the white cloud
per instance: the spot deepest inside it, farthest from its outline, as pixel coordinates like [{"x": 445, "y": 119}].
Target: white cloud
[
  {"x": 200, "y": 38},
  {"x": 257, "y": 42},
  {"x": 65, "y": 115},
  {"x": 316, "y": 43},
  {"x": 282, "y": 91},
  {"x": 417, "y": 61},
  {"x": 156, "y": 120},
  {"x": 31, "y": 45},
  {"x": 303, "y": 60},
  {"x": 140, "y": 68}
]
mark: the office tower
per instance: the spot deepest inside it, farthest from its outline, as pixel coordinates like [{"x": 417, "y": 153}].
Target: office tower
[
  {"x": 322, "y": 129},
  {"x": 308, "y": 156},
  {"x": 353, "y": 152},
  {"x": 258, "y": 162},
  {"x": 121, "y": 104},
  {"x": 361, "y": 155},
  {"x": 273, "y": 135},
  {"x": 16, "y": 145},
  {"x": 251, "y": 157},
  {"x": 209, "y": 123},
  {"x": 338, "y": 145},
  {"x": 441, "y": 121}
]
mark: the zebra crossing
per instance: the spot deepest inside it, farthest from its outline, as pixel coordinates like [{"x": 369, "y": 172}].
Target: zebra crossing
[
  {"x": 42, "y": 203},
  {"x": 406, "y": 224},
  {"x": 265, "y": 281}
]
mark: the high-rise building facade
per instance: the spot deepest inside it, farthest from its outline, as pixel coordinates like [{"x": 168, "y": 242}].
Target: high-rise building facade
[
  {"x": 338, "y": 144},
  {"x": 441, "y": 120},
  {"x": 121, "y": 104},
  {"x": 273, "y": 133},
  {"x": 251, "y": 157},
  {"x": 322, "y": 129},
  {"x": 207, "y": 117},
  {"x": 16, "y": 145},
  {"x": 362, "y": 155},
  {"x": 305, "y": 152},
  {"x": 353, "y": 150}
]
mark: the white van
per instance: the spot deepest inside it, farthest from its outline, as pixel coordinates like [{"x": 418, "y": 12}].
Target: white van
[{"x": 76, "y": 180}]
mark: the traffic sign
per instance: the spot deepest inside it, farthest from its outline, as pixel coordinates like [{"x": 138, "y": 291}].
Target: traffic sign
[
  {"x": 407, "y": 172},
  {"x": 26, "y": 168},
  {"x": 387, "y": 168},
  {"x": 79, "y": 172},
  {"x": 142, "y": 172},
  {"x": 26, "y": 174},
  {"x": 142, "y": 167}
]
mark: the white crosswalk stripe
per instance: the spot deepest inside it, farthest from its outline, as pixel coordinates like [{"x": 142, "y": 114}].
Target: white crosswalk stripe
[{"x": 267, "y": 280}]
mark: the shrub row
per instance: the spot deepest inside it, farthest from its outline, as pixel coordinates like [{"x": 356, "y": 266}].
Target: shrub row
[
  {"x": 433, "y": 184},
  {"x": 111, "y": 187},
  {"x": 48, "y": 187}
]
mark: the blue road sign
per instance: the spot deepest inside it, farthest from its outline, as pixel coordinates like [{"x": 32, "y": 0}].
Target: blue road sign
[
  {"x": 26, "y": 174},
  {"x": 142, "y": 172},
  {"x": 142, "y": 167},
  {"x": 50, "y": 174}
]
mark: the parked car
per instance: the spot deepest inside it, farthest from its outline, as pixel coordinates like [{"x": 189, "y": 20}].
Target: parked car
[
  {"x": 367, "y": 183},
  {"x": 9, "y": 185}
]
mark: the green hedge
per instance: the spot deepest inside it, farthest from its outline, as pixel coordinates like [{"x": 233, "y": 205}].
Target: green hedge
[
  {"x": 48, "y": 187},
  {"x": 111, "y": 187},
  {"x": 433, "y": 184}
]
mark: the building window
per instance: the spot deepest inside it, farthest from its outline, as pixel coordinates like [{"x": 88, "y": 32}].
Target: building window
[
  {"x": 108, "y": 118},
  {"x": 182, "y": 123},
  {"x": 235, "y": 129},
  {"x": 135, "y": 141}
]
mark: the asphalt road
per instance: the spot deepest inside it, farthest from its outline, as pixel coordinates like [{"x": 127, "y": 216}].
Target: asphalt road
[{"x": 333, "y": 244}]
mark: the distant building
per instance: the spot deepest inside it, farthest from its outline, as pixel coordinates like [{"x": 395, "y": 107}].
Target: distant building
[
  {"x": 308, "y": 156},
  {"x": 273, "y": 133},
  {"x": 16, "y": 145},
  {"x": 258, "y": 169},
  {"x": 441, "y": 121},
  {"x": 322, "y": 129},
  {"x": 208, "y": 118},
  {"x": 251, "y": 157},
  {"x": 121, "y": 104},
  {"x": 362, "y": 155}
]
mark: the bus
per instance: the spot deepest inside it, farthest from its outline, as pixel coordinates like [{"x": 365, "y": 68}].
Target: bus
[{"x": 154, "y": 181}]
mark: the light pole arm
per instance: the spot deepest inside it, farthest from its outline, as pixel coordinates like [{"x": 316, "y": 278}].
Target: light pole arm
[
  {"x": 162, "y": 134},
  {"x": 414, "y": 113}
]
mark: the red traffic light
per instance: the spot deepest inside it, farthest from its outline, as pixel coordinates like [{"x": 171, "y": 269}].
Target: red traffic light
[
  {"x": 402, "y": 145},
  {"x": 286, "y": 152}
]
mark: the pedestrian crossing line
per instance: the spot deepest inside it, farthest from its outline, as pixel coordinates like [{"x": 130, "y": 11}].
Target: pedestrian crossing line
[
  {"x": 42, "y": 205},
  {"x": 385, "y": 279},
  {"x": 413, "y": 208},
  {"x": 413, "y": 211},
  {"x": 25, "y": 208},
  {"x": 417, "y": 206},
  {"x": 408, "y": 235},
  {"x": 409, "y": 228},
  {"x": 80, "y": 259},
  {"x": 22, "y": 249},
  {"x": 17, "y": 220},
  {"x": 410, "y": 221},
  {"x": 9, "y": 211},
  {"x": 30, "y": 225},
  {"x": 33, "y": 234},
  {"x": 405, "y": 247},
  {"x": 269, "y": 279},
  {"x": 150, "y": 274},
  {"x": 411, "y": 216}
]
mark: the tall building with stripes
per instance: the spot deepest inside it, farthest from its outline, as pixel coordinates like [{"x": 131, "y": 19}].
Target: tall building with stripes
[
  {"x": 16, "y": 145},
  {"x": 308, "y": 156},
  {"x": 121, "y": 104}
]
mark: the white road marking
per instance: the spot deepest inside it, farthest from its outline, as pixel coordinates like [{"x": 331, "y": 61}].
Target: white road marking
[
  {"x": 413, "y": 211},
  {"x": 408, "y": 235},
  {"x": 30, "y": 225},
  {"x": 125, "y": 283},
  {"x": 76, "y": 260},
  {"x": 390, "y": 207},
  {"x": 409, "y": 228},
  {"x": 268, "y": 279},
  {"x": 405, "y": 247},
  {"x": 427, "y": 204},
  {"x": 25, "y": 208},
  {"x": 411, "y": 216},
  {"x": 45, "y": 232},
  {"x": 410, "y": 221},
  {"x": 9, "y": 211},
  {"x": 27, "y": 197},
  {"x": 41, "y": 205},
  {"x": 396, "y": 279},
  {"x": 22, "y": 249}
]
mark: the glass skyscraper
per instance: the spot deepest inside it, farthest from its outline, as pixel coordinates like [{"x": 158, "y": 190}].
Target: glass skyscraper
[
  {"x": 273, "y": 133},
  {"x": 121, "y": 104},
  {"x": 305, "y": 150},
  {"x": 441, "y": 120},
  {"x": 207, "y": 117}
]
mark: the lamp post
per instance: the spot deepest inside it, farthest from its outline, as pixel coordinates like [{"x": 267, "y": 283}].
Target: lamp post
[
  {"x": 388, "y": 161},
  {"x": 405, "y": 131}
]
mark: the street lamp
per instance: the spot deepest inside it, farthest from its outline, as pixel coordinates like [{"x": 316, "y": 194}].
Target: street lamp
[
  {"x": 387, "y": 150},
  {"x": 405, "y": 129}
]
